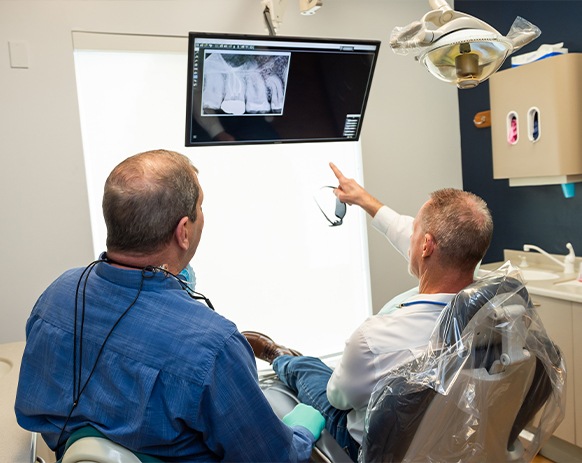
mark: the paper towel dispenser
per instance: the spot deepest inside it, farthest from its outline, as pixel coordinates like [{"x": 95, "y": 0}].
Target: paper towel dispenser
[{"x": 536, "y": 120}]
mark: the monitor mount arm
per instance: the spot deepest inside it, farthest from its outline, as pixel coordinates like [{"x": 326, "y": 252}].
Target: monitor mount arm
[{"x": 273, "y": 11}]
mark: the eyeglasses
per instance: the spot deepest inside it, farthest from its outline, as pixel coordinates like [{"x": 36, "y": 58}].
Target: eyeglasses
[{"x": 330, "y": 206}]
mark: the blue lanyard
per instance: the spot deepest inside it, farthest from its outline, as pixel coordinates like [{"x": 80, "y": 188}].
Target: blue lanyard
[{"x": 406, "y": 304}]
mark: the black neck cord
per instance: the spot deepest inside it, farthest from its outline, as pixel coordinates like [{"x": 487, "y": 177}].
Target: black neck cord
[
  {"x": 152, "y": 268},
  {"x": 121, "y": 317},
  {"x": 78, "y": 389}
]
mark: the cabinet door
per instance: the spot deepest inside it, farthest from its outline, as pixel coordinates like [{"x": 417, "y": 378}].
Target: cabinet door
[
  {"x": 577, "y": 367},
  {"x": 556, "y": 315}
]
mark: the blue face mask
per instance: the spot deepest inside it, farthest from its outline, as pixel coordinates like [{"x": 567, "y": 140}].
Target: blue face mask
[{"x": 188, "y": 276}]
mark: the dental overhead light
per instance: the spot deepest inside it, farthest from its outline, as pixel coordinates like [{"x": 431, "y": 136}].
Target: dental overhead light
[
  {"x": 273, "y": 11},
  {"x": 458, "y": 48}
]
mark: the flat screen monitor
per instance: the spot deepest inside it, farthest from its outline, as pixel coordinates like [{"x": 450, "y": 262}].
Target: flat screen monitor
[{"x": 272, "y": 89}]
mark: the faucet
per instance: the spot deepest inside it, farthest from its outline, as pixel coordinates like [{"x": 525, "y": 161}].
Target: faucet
[{"x": 569, "y": 259}]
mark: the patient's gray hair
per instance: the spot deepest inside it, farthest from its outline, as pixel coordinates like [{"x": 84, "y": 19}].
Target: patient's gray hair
[
  {"x": 145, "y": 197},
  {"x": 461, "y": 225}
]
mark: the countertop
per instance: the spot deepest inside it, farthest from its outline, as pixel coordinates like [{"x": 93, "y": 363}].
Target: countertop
[
  {"x": 18, "y": 445},
  {"x": 565, "y": 286}
]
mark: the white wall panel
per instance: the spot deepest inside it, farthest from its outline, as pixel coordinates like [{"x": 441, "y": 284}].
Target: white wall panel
[{"x": 268, "y": 259}]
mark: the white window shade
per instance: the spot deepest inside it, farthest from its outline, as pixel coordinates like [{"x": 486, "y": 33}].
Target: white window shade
[{"x": 267, "y": 259}]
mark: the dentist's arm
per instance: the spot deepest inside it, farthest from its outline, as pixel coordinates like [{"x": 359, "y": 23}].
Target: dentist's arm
[
  {"x": 350, "y": 192},
  {"x": 395, "y": 227}
]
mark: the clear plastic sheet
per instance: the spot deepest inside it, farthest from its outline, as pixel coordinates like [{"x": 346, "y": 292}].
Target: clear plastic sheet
[
  {"x": 416, "y": 36},
  {"x": 522, "y": 32},
  {"x": 408, "y": 39},
  {"x": 489, "y": 372}
]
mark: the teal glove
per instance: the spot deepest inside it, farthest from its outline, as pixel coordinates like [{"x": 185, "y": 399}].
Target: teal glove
[{"x": 306, "y": 416}]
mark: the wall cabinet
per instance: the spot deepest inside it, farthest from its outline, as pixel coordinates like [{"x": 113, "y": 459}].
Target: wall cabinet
[
  {"x": 536, "y": 114},
  {"x": 563, "y": 320}
]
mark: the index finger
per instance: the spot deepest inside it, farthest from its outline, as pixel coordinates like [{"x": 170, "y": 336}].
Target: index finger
[{"x": 336, "y": 171}]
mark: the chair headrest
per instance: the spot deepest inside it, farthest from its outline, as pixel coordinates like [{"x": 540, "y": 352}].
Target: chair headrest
[{"x": 498, "y": 287}]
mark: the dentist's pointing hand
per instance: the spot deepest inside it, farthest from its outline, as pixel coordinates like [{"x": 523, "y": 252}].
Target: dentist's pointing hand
[{"x": 350, "y": 192}]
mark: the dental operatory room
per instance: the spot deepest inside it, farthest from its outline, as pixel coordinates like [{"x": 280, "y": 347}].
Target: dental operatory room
[{"x": 291, "y": 230}]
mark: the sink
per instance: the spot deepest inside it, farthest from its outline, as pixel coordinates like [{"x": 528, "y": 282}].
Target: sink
[{"x": 537, "y": 275}]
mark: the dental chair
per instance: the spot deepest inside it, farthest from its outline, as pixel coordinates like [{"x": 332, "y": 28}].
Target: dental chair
[
  {"x": 87, "y": 445},
  {"x": 490, "y": 386},
  {"x": 283, "y": 400}
]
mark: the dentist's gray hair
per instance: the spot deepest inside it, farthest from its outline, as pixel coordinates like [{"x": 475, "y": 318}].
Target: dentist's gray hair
[{"x": 461, "y": 225}]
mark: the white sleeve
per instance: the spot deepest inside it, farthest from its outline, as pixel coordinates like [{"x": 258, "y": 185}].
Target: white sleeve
[
  {"x": 395, "y": 227},
  {"x": 353, "y": 379}
]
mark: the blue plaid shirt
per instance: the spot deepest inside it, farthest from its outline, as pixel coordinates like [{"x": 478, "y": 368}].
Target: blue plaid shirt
[{"x": 175, "y": 379}]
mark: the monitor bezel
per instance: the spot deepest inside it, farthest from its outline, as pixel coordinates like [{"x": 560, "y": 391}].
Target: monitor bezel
[{"x": 295, "y": 40}]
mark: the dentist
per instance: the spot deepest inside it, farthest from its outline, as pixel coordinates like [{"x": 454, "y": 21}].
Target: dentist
[{"x": 443, "y": 245}]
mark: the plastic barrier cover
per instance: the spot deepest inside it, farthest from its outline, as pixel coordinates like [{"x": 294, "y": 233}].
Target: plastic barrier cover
[{"x": 489, "y": 372}]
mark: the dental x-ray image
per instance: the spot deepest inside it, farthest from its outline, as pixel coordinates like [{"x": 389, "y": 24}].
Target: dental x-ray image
[
  {"x": 242, "y": 83},
  {"x": 263, "y": 89}
]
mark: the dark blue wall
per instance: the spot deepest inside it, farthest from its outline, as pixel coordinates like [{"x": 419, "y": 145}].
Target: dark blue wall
[{"x": 538, "y": 215}]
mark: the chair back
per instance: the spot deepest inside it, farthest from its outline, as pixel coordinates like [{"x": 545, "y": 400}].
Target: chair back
[{"x": 489, "y": 372}]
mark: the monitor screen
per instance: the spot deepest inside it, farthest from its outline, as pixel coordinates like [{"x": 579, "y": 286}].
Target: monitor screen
[{"x": 274, "y": 89}]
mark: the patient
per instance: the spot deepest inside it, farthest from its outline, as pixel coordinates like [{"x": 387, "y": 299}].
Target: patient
[
  {"x": 443, "y": 245},
  {"x": 126, "y": 347}
]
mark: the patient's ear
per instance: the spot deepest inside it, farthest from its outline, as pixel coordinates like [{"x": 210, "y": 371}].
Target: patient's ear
[{"x": 182, "y": 234}]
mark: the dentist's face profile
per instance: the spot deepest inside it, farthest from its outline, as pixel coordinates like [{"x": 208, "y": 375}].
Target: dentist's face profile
[{"x": 416, "y": 244}]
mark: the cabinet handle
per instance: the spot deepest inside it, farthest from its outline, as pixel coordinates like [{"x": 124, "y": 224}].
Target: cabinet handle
[{"x": 482, "y": 119}]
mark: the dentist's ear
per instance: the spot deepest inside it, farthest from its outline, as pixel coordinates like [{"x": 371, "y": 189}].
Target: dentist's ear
[{"x": 428, "y": 246}]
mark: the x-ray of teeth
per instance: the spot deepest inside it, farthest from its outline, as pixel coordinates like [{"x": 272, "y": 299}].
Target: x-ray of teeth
[{"x": 238, "y": 83}]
